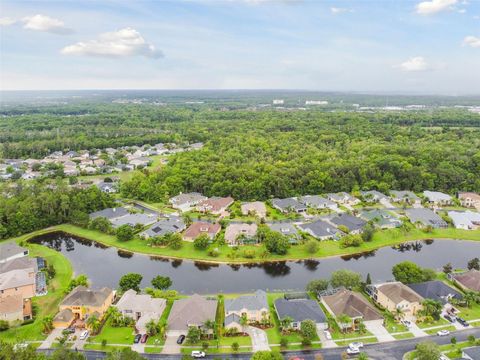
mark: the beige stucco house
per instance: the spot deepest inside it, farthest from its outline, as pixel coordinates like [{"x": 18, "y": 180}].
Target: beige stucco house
[
  {"x": 253, "y": 307},
  {"x": 18, "y": 282},
  {"x": 397, "y": 298}
]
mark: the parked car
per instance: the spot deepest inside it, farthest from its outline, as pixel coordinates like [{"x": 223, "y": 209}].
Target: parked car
[
  {"x": 83, "y": 335},
  {"x": 69, "y": 330},
  {"x": 144, "y": 338},
  {"x": 181, "y": 339},
  {"x": 328, "y": 336},
  {"x": 353, "y": 351},
  {"x": 137, "y": 338},
  {"x": 449, "y": 318},
  {"x": 443, "y": 333},
  {"x": 198, "y": 354},
  {"x": 407, "y": 323},
  {"x": 357, "y": 345},
  {"x": 462, "y": 321}
]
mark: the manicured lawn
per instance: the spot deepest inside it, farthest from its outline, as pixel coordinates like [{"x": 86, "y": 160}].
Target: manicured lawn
[
  {"x": 48, "y": 304},
  {"x": 472, "y": 313},
  {"x": 115, "y": 335},
  {"x": 406, "y": 335},
  {"x": 391, "y": 325},
  {"x": 107, "y": 347},
  {"x": 153, "y": 350},
  {"x": 441, "y": 321}
]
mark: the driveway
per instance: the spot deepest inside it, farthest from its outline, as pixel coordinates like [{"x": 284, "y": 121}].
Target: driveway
[
  {"x": 139, "y": 348},
  {"x": 416, "y": 331},
  {"x": 259, "y": 339},
  {"x": 325, "y": 342},
  {"x": 386, "y": 203},
  {"x": 51, "y": 338},
  {"x": 171, "y": 346},
  {"x": 379, "y": 331}
]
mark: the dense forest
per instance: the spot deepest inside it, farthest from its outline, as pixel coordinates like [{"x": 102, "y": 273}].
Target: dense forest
[{"x": 35, "y": 205}]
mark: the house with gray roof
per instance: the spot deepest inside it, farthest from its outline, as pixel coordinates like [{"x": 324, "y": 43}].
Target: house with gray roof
[
  {"x": 435, "y": 290},
  {"x": 253, "y": 307},
  {"x": 286, "y": 228},
  {"x": 299, "y": 310},
  {"x": 343, "y": 198},
  {"x": 187, "y": 201},
  {"x": 194, "y": 311},
  {"x": 425, "y": 217},
  {"x": 134, "y": 219},
  {"x": 317, "y": 202},
  {"x": 437, "y": 198},
  {"x": 471, "y": 353},
  {"x": 173, "y": 224},
  {"x": 373, "y": 196},
  {"x": 109, "y": 213},
  {"x": 289, "y": 205},
  {"x": 10, "y": 251},
  {"x": 467, "y": 220},
  {"x": 380, "y": 218},
  {"x": 352, "y": 223},
  {"x": 108, "y": 187},
  {"x": 404, "y": 196},
  {"x": 321, "y": 230}
]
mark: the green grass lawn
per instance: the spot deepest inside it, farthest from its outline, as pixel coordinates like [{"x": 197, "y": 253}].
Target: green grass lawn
[
  {"x": 441, "y": 321},
  {"x": 153, "y": 349},
  {"x": 472, "y": 313},
  {"x": 434, "y": 331},
  {"x": 406, "y": 335},
  {"x": 115, "y": 335},
  {"x": 391, "y": 325},
  {"x": 48, "y": 304},
  {"x": 107, "y": 348}
]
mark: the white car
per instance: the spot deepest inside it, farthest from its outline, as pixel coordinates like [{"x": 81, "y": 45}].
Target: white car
[
  {"x": 198, "y": 354},
  {"x": 353, "y": 351},
  {"x": 328, "y": 336},
  {"x": 443, "y": 333},
  {"x": 83, "y": 335},
  {"x": 357, "y": 345}
]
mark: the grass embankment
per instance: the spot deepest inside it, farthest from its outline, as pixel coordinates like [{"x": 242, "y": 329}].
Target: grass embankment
[
  {"x": 48, "y": 304},
  {"x": 328, "y": 248}
]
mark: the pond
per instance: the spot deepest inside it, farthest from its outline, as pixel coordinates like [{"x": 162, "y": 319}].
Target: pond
[{"x": 105, "y": 265}]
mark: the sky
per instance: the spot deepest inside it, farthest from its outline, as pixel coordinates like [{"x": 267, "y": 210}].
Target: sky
[{"x": 379, "y": 46}]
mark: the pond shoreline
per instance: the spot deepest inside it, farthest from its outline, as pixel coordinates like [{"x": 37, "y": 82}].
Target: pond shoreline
[{"x": 350, "y": 254}]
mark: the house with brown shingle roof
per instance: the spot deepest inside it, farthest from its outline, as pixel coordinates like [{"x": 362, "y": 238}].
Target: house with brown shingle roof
[
  {"x": 192, "y": 311},
  {"x": 18, "y": 282},
  {"x": 257, "y": 207},
  {"x": 215, "y": 205},
  {"x": 352, "y": 304},
  {"x": 236, "y": 234},
  {"x": 469, "y": 280},
  {"x": 201, "y": 227},
  {"x": 397, "y": 298}
]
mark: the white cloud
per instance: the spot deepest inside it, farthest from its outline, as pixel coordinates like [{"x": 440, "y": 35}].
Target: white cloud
[
  {"x": 6, "y": 21},
  {"x": 45, "y": 23},
  {"x": 337, "y": 10},
  {"x": 471, "y": 41},
  {"x": 416, "y": 63},
  {"x": 121, "y": 43},
  {"x": 434, "y": 6}
]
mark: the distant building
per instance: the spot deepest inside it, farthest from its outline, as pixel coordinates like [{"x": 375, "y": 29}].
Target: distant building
[
  {"x": 321, "y": 230},
  {"x": 467, "y": 220},
  {"x": 317, "y": 202},
  {"x": 343, "y": 198},
  {"x": 316, "y": 102},
  {"x": 198, "y": 228},
  {"x": 10, "y": 251},
  {"x": 278, "y": 102},
  {"x": 256, "y": 207},
  {"x": 289, "y": 205},
  {"x": 236, "y": 234},
  {"x": 437, "y": 198},
  {"x": 425, "y": 217},
  {"x": 469, "y": 199},
  {"x": 408, "y": 197},
  {"x": 184, "y": 202},
  {"x": 373, "y": 196}
]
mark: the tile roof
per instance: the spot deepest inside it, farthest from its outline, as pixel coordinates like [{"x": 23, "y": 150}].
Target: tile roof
[{"x": 352, "y": 304}]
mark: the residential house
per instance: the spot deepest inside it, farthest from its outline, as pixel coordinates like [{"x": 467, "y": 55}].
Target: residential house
[
  {"x": 194, "y": 311},
  {"x": 14, "y": 308},
  {"x": 289, "y": 205},
  {"x": 469, "y": 199},
  {"x": 10, "y": 251},
  {"x": 343, "y": 198},
  {"x": 435, "y": 290},
  {"x": 253, "y": 307},
  {"x": 353, "y": 304},
  {"x": 437, "y": 198},
  {"x": 82, "y": 303},
  {"x": 257, "y": 207},
  {"x": 107, "y": 187},
  {"x": 286, "y": 228},
  {"x": 236, "y": 234},
  {"x": 143, "y": 219},
  {"x": 299, "y": 310},
  {"x": 468, "y": 281},
  {"x": 425, "y": 217},
  {"x": 397, "y": 298},
  {"x": 380, "y": 218},
  {"x": 110, "y": 213},
  {"x": 471, "y": 353},
  {"x": 467, "y": 220},
  {"x": 318, "y": 202},
  {"x": 185, "y": 202},
  {"x": 140, "y": 162},
  {"x": 173, "y": 224},
  {"x": 201, "y": 227},
  {"x": 321, "y": 230},
  {"x": 352, "y": 223},
  {"x": 215, "y": 205},
  {"x": 18, "y": 282},
  {"x": 373, "y": 196},
  {"x": 401, "y": 196},
  {"x": 141, "y": 307}
]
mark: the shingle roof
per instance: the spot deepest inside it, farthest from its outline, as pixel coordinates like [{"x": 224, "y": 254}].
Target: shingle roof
[
  {"x": 473, "y": 352},
  {"x": 187, "y": 198},
  {"x": 232, "y": 318},
  {"x": 352, "y": 304},
  {"x": 425, "y": 216},
  {"x": 374, "y": 195},
  {"x": 284, "y": 228},
  {"x": 257, "y": 206},
  {"x": 321, "y": 228},
  {"x": 23, "y": 263},
  {"x": 254, "y": 302},
  {"x": 403, "y": 194},
  {"x": 436, "y": 196},
  {"x": 65, "y": 315},
  {"x": 234, "y": 230},
  {"x": 109, "y": 213},
  {"x": 215, "y": 204},
  {"x": 133, "y": 219},
  {"x": 351, "y": 222},
  {"x": 10, "y": 249},
  {"x": 83, "y": 296},
  {"x": 469, "y": 279},
  {"x": 198, "y": 228},
  {"x": 287, "y": 204},
  {"x": 194, "y": 310},
  {"x": 130, "y": 300},
  {"x": 435, "y": 290},
  {"x": 300, "y": 310},
  {"x": 164, "y": 226},
  {"x": 398, "y": 292},
  {"x": 16, "y": 278},
  {"x": 315, "y": 201}
]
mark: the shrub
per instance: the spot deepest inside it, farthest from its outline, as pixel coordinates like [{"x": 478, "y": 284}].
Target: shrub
[
  {"x": 201, "y": 242},
  {"x": 312, "y": 246},
  {"x": 4, "y": 325},
  {"x": 125, "y": 233},
  {"x": 351, "y": 241},
  {"x": 214, "y": 252},
  {"x": 283, "y": 342},
  {"x": 249, "y": 253}
]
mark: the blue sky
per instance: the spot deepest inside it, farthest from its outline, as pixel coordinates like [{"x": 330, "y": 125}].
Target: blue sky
[{"x": 428, "y": 46}]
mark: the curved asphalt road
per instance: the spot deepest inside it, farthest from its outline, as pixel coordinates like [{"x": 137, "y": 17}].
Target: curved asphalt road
[{"x": 381, "y": 351}]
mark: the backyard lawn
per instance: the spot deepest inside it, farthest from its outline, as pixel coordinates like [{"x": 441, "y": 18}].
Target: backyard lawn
[{"x": 114, "y": 335}]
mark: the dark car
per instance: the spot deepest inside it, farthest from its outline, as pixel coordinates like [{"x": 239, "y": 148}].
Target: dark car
[
  {"x": 462, "y": 321},
  {"x": 181, "y": 339},
  {"x": 449, "y": 318},
  {"x": 144, "y": 338},
  {"x": 137, "y": 338},
  {"x": 69, "y": 330}
]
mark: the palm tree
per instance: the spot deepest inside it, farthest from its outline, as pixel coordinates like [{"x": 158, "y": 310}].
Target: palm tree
[
  {"x": 47, "y": 323},
  {"x": 243, "y": 322},
  {"x": 93, "y": 323},
  {"x": 152, "y": 327},
  {"x": 344, "y": 321},
  {"x": 115, "y": 315},
  {"x": 470, "y": 298},
  {"x": 209, "y": 325},
  {"x": 285, "y": 322},
  {"x": 399, "y": 313}
]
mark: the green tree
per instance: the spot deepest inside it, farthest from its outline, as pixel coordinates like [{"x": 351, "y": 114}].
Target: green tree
[
  {"x": 125, "y": 354},
  {"x": 474, "y": 264},
  {"x": 308, "y": 329},
  {"x": 312, "y": 246},
  {"x": 125, "y": 233},
  {"x": 317, "y": 285},
  {"x": 161, "y": 282},
  {"x": 176, "y": 241},
  {"x": 194, "y": 334},
  {"x": 152, "y": 327},
  {"x": 276, "y": 243},
  {"x": 427, "y": 351},
  {"x": 448, "y": 268},
  {"x": 130, "y": 281},
  {"x": 201, "y": 242},
  {"x": 93, "y": 323},
  {"x": 235, "y": 346},
  {"x": 267, "y": 355},
  {"x": 409, "y": 272},
  {"x": 368, "y": 232},
  {"x": 432, "y": 308},
  {"x": 345, "y": 278},
  {"x": 47, "y": 324}
]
